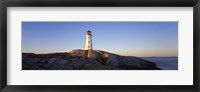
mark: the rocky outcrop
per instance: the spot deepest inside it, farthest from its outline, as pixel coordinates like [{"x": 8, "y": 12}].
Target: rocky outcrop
[{"x": 79, "y": 60}]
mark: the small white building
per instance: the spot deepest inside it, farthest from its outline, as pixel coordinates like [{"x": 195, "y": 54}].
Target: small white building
[
  {"x": 89, "y": 52},
  {"x": 88, "y": 44}
]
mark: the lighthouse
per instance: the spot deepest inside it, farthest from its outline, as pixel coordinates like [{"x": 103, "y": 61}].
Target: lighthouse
[
  {"x": 89, "y": 53},
  {"x": 88, "y": 44}
]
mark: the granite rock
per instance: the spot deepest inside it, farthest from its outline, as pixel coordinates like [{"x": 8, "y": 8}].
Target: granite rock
[{"x": 81, "y": 60}]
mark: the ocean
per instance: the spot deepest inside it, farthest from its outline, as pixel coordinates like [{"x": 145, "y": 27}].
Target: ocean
[{"x": 165, "y": 63}]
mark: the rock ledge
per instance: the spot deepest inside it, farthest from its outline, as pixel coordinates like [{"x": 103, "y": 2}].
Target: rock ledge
[{"x": 78, "y": 60}]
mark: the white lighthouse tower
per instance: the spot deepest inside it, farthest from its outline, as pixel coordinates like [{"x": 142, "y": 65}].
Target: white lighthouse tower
[{"x": 88, "y": 44}]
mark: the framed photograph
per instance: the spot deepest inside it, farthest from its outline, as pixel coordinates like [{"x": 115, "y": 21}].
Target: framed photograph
[{"x": 131, "y": 45}]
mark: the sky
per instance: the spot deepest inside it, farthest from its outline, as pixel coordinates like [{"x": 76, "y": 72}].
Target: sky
[{"x": 143, "y": 39}]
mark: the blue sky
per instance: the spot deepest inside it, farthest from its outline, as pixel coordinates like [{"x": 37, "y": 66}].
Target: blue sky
[{"x": 144, "y": 39}]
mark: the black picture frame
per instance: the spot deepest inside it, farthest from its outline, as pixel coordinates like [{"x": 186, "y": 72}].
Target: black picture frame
[{"x": 100, "y": 3}]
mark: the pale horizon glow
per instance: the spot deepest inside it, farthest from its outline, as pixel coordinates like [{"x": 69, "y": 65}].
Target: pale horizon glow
[{"x": 143, "y": 39}]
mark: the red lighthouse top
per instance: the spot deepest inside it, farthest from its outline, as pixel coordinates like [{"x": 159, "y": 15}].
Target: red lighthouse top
[{"x": 89, "y": 32}]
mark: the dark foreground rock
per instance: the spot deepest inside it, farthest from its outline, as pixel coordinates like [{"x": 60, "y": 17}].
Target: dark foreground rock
[{"x": 78, "y": 60}]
